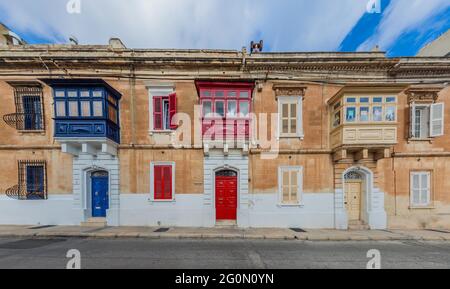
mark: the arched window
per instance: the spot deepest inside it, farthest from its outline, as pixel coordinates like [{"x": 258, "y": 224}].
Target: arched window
[{"x": 226, "y": 173}]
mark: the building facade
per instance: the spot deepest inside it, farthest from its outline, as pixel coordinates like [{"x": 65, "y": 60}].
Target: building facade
[{"x": 208, "y": 137}]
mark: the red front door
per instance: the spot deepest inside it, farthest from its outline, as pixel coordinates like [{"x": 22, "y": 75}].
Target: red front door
[{"x": 226, "y": 197}]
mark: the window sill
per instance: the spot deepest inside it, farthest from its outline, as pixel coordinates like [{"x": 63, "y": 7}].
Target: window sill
[
  {"x": 430, "y": 140},
  {"x": 152, "y": 132},
  {"x": 299, "y": 205},
  {"x": 430, "y": 207},
  {"x": 152, "y": 201},
  {"x": 300, "y": 136},
  {"x": 32, "y": 131}
]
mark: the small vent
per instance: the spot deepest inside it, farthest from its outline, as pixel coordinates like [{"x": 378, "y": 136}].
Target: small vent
[
  {"x": 161, "y": 230},
  {"x": 298, "y": 230}
]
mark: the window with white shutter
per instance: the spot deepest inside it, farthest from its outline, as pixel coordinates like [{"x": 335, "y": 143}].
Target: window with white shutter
[
  {"x": 420, "y": 189},
  {"x": 427, "y": 120},
  {"x": 290, "y": 185},
  {"x": 290, "y": 116}
]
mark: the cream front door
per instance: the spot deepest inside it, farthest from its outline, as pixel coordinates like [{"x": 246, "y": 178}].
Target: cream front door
[{"x": 353, "y": 200}]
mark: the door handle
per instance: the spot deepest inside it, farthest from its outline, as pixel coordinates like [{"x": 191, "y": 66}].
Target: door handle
[{"x": 345, "y": 203}]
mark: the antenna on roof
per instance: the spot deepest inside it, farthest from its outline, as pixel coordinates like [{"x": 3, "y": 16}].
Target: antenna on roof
[{"x": 73, "y": 40}]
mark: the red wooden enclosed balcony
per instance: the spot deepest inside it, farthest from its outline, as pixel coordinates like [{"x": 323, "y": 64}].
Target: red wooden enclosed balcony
[{"x": 226, "y": 109}]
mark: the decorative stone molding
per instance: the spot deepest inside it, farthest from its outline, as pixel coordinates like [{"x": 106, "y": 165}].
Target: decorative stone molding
[
  {"x": 425, "y": 94},
  {"x": 289, "y": 90}
]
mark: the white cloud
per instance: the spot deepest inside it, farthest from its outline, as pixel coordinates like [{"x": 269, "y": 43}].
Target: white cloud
[
  {"x": 301, "y": 25},
  {"x": 402, "y": 16}
]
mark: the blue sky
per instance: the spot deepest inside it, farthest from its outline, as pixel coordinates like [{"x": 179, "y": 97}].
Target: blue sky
[{"x": 401, "y": 28}]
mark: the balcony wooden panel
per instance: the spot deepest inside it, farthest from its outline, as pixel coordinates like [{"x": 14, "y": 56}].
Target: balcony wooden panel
[{"x": 364, "y": 134}]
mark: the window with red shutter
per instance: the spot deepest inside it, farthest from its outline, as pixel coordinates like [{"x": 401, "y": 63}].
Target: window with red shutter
[
  {"x": 164, "y": 109},
  {"x": 162, "y": 176}
]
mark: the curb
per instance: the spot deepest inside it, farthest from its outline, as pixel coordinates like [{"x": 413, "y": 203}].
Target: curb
[{"x": 150, "y": 236}]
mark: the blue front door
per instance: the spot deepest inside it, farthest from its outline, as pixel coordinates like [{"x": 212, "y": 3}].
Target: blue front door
[{"x": 99, "y": 196}]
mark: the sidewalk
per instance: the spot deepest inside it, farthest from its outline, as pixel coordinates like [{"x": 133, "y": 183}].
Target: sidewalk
[{"x": 220, "y": 233}]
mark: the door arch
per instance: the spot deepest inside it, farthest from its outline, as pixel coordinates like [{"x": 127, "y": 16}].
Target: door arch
[
  {"x": 99, "y": 193},
  {"x": 226, "y": 196}
]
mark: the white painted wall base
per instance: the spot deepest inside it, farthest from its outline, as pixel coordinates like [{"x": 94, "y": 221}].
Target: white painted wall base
[
  {"x": 57, "y": 210},
  {"x": 316, "y": 212},
  {"x": 263, "y": 211},
  {"x": 138, "y": 210}
]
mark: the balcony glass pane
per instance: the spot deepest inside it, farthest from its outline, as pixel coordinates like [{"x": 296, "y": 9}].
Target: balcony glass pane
[
  {"x": 112, "y": 114},
  {"x": 220, "y": 110},
  {"x": 231, "y": 94},
  {"x": 364, "y": 113},
  {"x": 337, "y": 119},
  {"x": 72, "y": 93},
  {"x": 231, "y": 108},
  {"x": 377, "y": 113},
  {"x": 60, "y": 93},
  {"x": 390, "y": 99},
  {"x": 98, "y": 108},
  {"x": 243, "y": 108},
  {"x": 377, "y": 99},
  {"x": 350, "y": 114},
  {"x": 97, "y": 93},
  {"x": 73, "y": 108},
  {"x": 207, "y": 108},
  {"x": 84, "y": 93},
  {"x": 243, "y": 94},
  {"x": 390, "y": 113},
  {"x": 60, "y": 108},
  {"x": 85, "y": 108}
]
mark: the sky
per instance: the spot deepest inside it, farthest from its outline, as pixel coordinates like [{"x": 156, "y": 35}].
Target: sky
[{"x": 399, "y": 27}]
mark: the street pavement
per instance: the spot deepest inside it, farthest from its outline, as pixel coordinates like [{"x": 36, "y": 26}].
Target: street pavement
[{"x": 211, "y": 253}]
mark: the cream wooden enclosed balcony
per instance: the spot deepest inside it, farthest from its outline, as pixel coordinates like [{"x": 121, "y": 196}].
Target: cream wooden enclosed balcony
[{"x": 363, "y": 120}]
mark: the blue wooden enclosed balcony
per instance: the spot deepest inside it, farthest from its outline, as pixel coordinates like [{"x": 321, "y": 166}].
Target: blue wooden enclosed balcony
[{"x": 86, "y": 114}]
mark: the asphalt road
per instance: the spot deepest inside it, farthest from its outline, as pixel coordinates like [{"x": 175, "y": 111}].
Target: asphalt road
[{"x": 219, "y": 254}]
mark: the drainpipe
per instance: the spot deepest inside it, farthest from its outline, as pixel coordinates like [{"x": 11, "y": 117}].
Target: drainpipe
[{"x": 395, "y": 183}]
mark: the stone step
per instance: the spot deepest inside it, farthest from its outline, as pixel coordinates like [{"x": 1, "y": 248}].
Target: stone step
[
  {"x": 357, "y": 226},
  {"x": 226, "y": 224},
  {"x": 95, "y": 222}
]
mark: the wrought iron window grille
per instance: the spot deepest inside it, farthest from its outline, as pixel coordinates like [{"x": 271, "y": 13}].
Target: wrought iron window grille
[
  {"x": 29, "y": 115},
  {"x": 32, "y": 181}
]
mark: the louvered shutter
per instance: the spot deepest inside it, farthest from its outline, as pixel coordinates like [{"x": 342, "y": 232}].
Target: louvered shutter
[
  {"x": 437, "y": 119},
  {"x": 167, "y": 183},
  {"x": 158, "y": 182},
  {"x": 172, "y": 109},
  {"x": 415, "y": 189},
  {"x": 412, "y": 123},
  {"x": 157, "y": 113}
]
